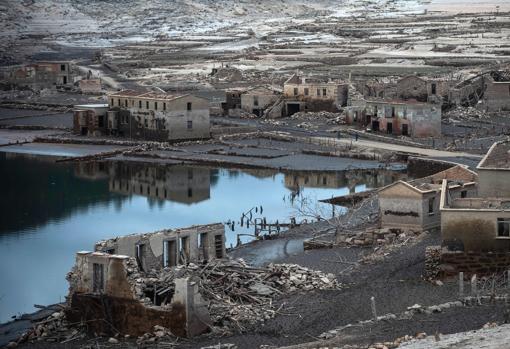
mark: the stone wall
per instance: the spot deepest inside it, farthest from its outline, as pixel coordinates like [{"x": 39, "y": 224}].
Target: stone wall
[
  {"x": 479, "y": 263},
  {"x": 374, "y": 237}
]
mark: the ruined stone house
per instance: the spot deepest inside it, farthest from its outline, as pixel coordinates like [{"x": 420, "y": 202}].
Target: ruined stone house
[
  {"x": 232, "y": 104},
  {"x": 169, "y": 248},
  {"x": 256, "y": 100},
  {"x": 415, "y": 204},
  {"x": 105, "y": 293},
  {"x": 158, "y": 116},
  {"x": 397, "y": 117},
  {"x": 494, "y": 171},
  {"x": 497, "y": 91},
  {"x": 90, "y": 119},
  {"x": 313, "y": 94},
  {"x": 425, "y": 90},
  {"x": 40, "y": 75}
]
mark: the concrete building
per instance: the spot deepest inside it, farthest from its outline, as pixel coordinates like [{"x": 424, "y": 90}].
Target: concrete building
[
  {"x": 105, "y": 293},
  {"x": 475, "y": 234},
  {"x": 40, "y": 75},
  {"x": 415, "y": 204},
  {"x": 169, "y": 248},
  {"x": 494, "y": 171},
  {"x": 256, "y": 100},
  {"x": 313, "y": 94},
  {"x": 160, "y": 116},
  {"x": 90, "y": 119},
  {"x": 397, "y": 117}
]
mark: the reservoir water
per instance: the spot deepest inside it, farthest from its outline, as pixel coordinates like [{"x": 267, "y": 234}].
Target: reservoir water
[{"x": 49, "y": 210}]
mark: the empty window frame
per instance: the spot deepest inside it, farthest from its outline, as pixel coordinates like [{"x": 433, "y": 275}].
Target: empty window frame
[
  {"x": 189, "y": 106},
  {"x": 324, "y": 92},
  {"x": 256, "y": 101},
  {"x": 147, "y": 105},
  {"x": 306, "y": 91},
  {"x": 218, "y": 246},
  {"x": 296, "y": 91},
  {"x": 184, "y": 248},
  {"x": 203, "y": 246},
  {"x": 140, "y": 104},
  {"x": 169, "y": 253},
  {"x": 98, "y": 278},
  {"x": 432, "y": 203},
  {"x": 189, "y": 124},
  {"x": 155, "y": 105},
  {"x": 140, "y": 255},
  {"x": 463, "y": 194},
  {"x": 504, "y": 227}
]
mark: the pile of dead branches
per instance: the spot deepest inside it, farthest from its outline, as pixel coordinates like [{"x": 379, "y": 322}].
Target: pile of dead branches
[{"x": 239, "y": 294}]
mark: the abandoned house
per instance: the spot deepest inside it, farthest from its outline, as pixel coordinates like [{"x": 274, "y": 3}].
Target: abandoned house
[
  {"x": 497, "y": 91},
  {"x": 159, "y": 116},
  {"x": 169, "y": 248},
  {"x": 421, "y": 89},
  {"x": 494, "y": 171},
  {"x": 313, "y": 94},
  {"x": 397, "y": 117},
  {"x": 186, "y": 185},
  {"x": 90, "y": 119},
  {"x": 232, "y": 104},
  {"x": 40, "y": 75},
  {"x": 256, "y": 100},
  {"x": 475, "y": 233},
  {"x": 108, "y": 293},
  {"x": 415, "y": 204}
]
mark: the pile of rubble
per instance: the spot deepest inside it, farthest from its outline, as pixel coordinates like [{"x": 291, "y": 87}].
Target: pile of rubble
[
  {"x": 332, "y": 118},
  {"x": 239, "y": 295},
  {"x": 462, "y": 113},
  {"x": 375, "y": 237}
]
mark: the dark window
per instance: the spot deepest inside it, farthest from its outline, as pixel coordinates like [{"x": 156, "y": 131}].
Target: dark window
[
  {"x": 306, "y": 91},
  {"x": 318, "y": 92},
  {"x": 164, "y": 106},
  {"x": 112, "y": 102},
  {"x": 140, "y": 104},
  {"x": 190, "y": 192},
  {"x": 126, "y": 103},
  {"x": 432, "y": 202},
  {"x": 155, "y": 105},
  {"x": 146, "y": 123},
  {"x": 433, "y": 89},
  {"x": 190, "y": 124},
  {"x": 147, "y": 105},
  {"x": 296, "y": 91},
  {"x": 189, "y": 106},
  {"x": 118, "y": 102},
  {"x": 463, "y": 194},
  {"x": 63, "y": 67},
  {"x": 256, "y": 101},
  {"x": 324, "y": 92},
  {"x": 98, "y": 278},
  {"x": 392, "y": 112},
  {"x": 504, "y": 227}
]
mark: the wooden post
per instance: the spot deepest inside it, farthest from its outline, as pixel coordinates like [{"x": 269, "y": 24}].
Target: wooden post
[
  {"x": 473, "y": 286},
  {"x": 461, "y": 284},
  {"x": 374, "y": 311}
]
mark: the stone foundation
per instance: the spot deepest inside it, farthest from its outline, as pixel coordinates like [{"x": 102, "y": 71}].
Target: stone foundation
[
  {"x": 374, "y": 237},
  {"x": 479, "y": 263}
]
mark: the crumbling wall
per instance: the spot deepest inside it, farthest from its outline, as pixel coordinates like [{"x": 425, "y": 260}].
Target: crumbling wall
[
  {"x": 473, "y": 230},
  {"x": 412, "y": 87},
  {"x": 497, "y": 95},
  {"x": 167, "y": 247}
]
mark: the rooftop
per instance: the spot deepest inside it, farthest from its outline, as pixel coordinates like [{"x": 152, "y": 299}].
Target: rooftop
[{"x": 498, "y": 157}]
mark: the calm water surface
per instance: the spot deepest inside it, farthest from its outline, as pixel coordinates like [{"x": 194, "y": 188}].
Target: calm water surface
[{"x": 49, "y": 211}]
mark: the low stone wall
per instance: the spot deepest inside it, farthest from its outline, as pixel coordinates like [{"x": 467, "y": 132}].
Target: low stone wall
[{"x": 479, "y": 263}]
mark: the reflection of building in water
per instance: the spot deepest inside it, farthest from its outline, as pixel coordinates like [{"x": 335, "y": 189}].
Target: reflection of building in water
[
  {"x": 91, "y": 170},
  {"x": 349, "y": 179},
  {"x": 176, "y": 183}
]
